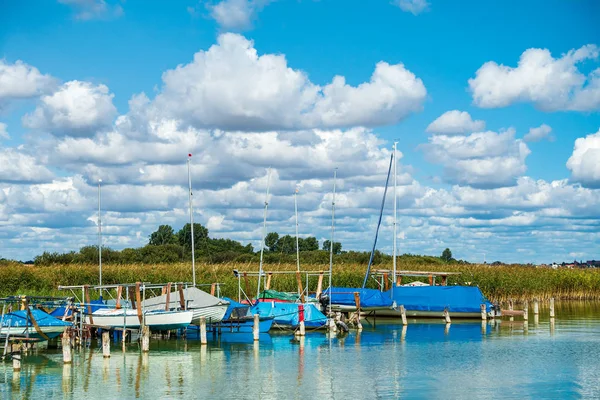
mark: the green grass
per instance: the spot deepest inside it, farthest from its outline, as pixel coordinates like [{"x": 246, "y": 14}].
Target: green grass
[{"x": 498, "y": 283}]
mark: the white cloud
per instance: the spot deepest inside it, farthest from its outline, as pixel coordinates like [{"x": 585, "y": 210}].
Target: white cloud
[
  {"x": 455, "y": 122},
  {"x": 236, "y": 14},
  {"x": 94, "y": 9},
  {"x": 3, "y": 133},
  {"x": 540, "y": 133},
  {"x": 76, "y": 109},
  {"x": 584, "y": 163},
  {"x": 231, "y": 87},
  {"x": 16, "y": 166},
  {"x": 21, "y": 81},
  {"x": 413, "y": 6},
  {"x": 551, "y": 84},
  {"x": 486, "y": 159}
]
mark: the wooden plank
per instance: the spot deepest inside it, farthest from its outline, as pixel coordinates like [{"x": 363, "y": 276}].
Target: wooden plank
[{"x": 168, "y": 297}]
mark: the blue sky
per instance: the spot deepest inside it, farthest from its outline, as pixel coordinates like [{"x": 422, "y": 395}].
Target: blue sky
[{"x": 256, "y": 88}]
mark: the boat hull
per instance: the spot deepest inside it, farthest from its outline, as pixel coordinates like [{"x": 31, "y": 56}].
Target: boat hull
[
  {"x": 20, "y": 332},
  {"x": 157, "y": 321},
  {"x": 243, "y": 325},
  {"x": 212, "y": 314}
]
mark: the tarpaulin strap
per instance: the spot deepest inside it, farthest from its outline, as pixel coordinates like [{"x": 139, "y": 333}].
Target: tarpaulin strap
[{"x": 34, "y": 323}]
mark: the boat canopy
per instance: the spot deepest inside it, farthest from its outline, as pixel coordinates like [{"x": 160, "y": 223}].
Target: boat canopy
[
  {"x": 194, "y": 298},
  {"x": 235, "y": 309},
  {"x": 22, "y": 319},
  {"x": 369, "y": 298},
  {"x": 271, "y": 294},
  {"x": 288, "y": 314},
  {"x": 437, "y": 298}
]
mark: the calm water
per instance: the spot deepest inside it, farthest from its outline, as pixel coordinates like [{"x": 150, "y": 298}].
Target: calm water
[{"x": 427, "y": 360}]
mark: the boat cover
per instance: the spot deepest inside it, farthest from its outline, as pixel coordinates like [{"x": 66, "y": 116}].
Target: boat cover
[
  {"x": 437, "y": 298},
  {"x": 94, "y": 304},
  {"x": 271, "y": 294},
  {"x": 287, "y": 313},
  {"x": 237, "y": 309},
  {"x": 194, "y": 297},
  {"x": 369, "y": 298},
  {"x": 20, "y": 318}
]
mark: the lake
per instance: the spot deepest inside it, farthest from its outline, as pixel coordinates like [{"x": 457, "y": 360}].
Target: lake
[{"x": 426, "y": 359}]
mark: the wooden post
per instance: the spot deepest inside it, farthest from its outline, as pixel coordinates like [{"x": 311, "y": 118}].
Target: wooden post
[
  {"x": 444, "y": 280},
  {"x": 168, "y": 297},
  {"x": 255, "y": 327},
  {"x": 181, "y": 297},
  {"x": 88, "y": 301},
  {"x": 300, "y": 290},
  {"x": 105, "y": 344},
  {"x": 247, "y": 284},
  {"x": 268, "y": 284},
  {"x": 399, "y": 280},
  {"x": 386, "y": 285},
  {"x": 213, "y": 289},
  {"x": 525, "y": 310},
  {"x": 146, "y": 339},
  {"x": 138, "y": 301},
  {"x": 447, "y": 315},
  {"x": 119, "y": 294},
  {"x": 15, "y": 350},
  {"x": 66, "y": 347},
  {"x": 203, "y": 330},
  {"x": 551, "y": 307},
  {"x": 483, "y": 312},
  {"x": 319, "y": 285},
  {"x": 536, "y": 307},
  {"x": 357, "y": 303},
  {"x": 301, "y": 329},
  {"x": 510, "y": 304},
  {"x": 403, "y": 315},
  {"x": 430, "y": 280}
]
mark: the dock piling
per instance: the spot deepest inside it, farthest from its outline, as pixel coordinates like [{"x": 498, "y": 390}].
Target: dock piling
[
  {"x": 145, "y": 339},
  {"x": 106, "y": 344},
  {"x": 483, "y": 312},
  {"x": 301, "y": 329},
  {"x": 66, "y": 347},
  {"x": 203, "y": 330},
  {"x": 15, "y": 351},
  {"x": 447, "y": 316},
  {"x": 255, "y": 327},
  {"x": 403, "y": 315},
  {"x": 536, "y": 307},
  {"x": 525, "y": 310},
  {"x": 552, "y": 307}
]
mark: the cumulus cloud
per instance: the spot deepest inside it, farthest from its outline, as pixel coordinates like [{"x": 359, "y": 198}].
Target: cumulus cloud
[
  {"x": 455, "y": 122},
  {"x": 3, "y": 132},
  {"x": 22, "y": 81},
  {"x": 486, "y": 159},
  {"x": 584, "y": 163},
  {"x": 76, "y": 109},
  {"x": 551, "y": 84},
  {"x": 94, "y": 9},
  {"x": 412, "y": 6},
  {"x": 231, "y": 87},
  {"x": 235, "y": 14},
  {"x": 16, "y": 166},
  {"x": 540, "y": 133}
]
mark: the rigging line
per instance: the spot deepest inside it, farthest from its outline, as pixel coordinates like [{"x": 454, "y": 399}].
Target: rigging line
[{"x": 378, "y": 223}]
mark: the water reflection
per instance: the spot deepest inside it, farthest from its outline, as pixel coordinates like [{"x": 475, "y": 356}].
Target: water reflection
[{"x": 548, "y": 358}]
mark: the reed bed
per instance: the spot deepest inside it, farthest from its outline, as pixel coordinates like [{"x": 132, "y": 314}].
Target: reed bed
[{"x": 498, "y": 283}]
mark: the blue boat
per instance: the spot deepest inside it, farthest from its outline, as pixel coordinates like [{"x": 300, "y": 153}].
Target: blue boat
[
  {"x": 344, "y": 300},
  {"x": 34, "y": 324},
  {"x": 287, "y": 315},
  {"x": 239, "y": 319}
]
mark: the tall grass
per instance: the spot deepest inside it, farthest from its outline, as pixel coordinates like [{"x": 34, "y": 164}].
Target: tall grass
[{"x": 498, "y": 283}]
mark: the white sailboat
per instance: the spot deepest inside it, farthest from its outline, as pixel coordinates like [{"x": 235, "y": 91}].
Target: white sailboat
[{"x": 128, "y": 318}]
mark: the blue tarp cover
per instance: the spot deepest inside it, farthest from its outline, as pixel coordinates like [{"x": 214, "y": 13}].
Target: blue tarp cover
[
  {"x": 95, "y": 305},
  {"x": 436, "y": 298},
  {"x": 368, "y": 297},
  {"x": 233, "y": 305},
  {"x": 20, "y": 318},
  {"x": 287, "y": 313}
]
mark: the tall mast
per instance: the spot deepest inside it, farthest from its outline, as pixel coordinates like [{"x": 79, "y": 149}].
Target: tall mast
[
  {"x": 297, "y": 248},
  {"x": 332, "y": 236},
  {"x": 394, "y": 280},
  {"x": 262, "y": 243},
  {"x": 99, "y": 235},
  {"x": 191, "y": 221}
]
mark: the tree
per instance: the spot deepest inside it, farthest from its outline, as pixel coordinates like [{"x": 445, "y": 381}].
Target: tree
[
  {"x": 446, "y": 255},
  {"x": 309, "y": 244},
  {"x": 164, "y": 235},
  {"x": 337, "y": 246},
  {"x": 271, "y": 241},
  {"x": 185, "y": 238}
]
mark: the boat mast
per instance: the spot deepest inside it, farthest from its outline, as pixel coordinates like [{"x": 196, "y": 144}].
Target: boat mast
[
  {"x": 262, "y": 243},
  {"x": 99, "y": 235},
  {"x": 331, "y": 241},
  {"x": 297, "y": 248},
  {"x": 395, "y": 216},
  {"x": 191, "y": 221}
]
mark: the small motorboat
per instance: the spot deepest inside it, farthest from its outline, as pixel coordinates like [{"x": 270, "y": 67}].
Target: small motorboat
[
  {"x": 238, "y": 319},
  {"x": 129, "y": 318},
  {"x": 32, "y": 324}
]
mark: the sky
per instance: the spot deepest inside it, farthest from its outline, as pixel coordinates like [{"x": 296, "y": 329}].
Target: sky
[{"x": 494, "y": 107}]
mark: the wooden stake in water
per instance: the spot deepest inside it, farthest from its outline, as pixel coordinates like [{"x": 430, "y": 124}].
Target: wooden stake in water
[
  {"x": 536, "y": 307},
  {"x": 106, "y": 344},
  {"x": 403, "y": 315},
  {"x": 525, "y": 310},
  {"x": 203, "y": 330},
  {"x": 255, "y": 327},
  {"x": 483, "y": 312},
  {"x": 301, "y": 329},
  {"x": 16, "y": 356},
  {"x": 145, "y": 339},
  {"x": 552, "y": 307},
  {"x": 66, "y": 348}
]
